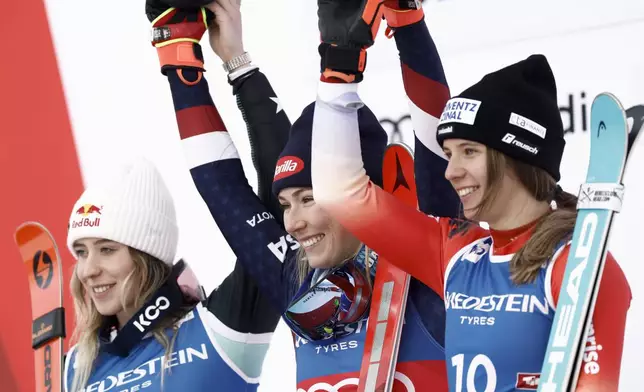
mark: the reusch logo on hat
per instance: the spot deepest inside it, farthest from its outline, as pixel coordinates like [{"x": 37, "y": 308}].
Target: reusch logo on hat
[
  {"x": 512, "y": 140},
  {"x": 287, "y": 166}
]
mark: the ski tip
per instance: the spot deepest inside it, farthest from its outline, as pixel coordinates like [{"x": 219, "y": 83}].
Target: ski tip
[
  {"x": 28, "y": 231},
  {"x": 398, "y": 146},
  {"x": 633, "y": 135},
  {"x": 609, "y": 96}
]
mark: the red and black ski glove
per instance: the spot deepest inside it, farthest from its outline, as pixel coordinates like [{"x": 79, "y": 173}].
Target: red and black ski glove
[
  {"x": 400, "y": 13},
  {"x": 347, "y": 29},
  {"x": 176, "y": 34}
]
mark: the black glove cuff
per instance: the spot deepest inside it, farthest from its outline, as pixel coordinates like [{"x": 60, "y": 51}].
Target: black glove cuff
[
  {"x": 237, "y": 83},
  {"x": 342, "y": 59}
]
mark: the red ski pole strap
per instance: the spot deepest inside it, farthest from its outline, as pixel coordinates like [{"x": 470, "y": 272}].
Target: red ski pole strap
[{"x": 47, "y": 327}]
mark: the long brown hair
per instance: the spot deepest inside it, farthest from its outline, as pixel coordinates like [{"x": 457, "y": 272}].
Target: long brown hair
[
  {"x": 552, "y": 228},
  {"x": 145, "y": 279}
]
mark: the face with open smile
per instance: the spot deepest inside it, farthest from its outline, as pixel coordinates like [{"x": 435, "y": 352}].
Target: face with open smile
[
  {"x": 324, "y": 240},
  {"x": 467, "y": 172},
  {"x": 102, "y": 268},
  {"x": 489, "y": 188}
]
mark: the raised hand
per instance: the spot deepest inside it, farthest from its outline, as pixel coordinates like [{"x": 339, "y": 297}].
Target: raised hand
[
  {"x": 347, "y": 29},
  {"x": 176, "y": 34},
  {"x": 226, "y": 31}
]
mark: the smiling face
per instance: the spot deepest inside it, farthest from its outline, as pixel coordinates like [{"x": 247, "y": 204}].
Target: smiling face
[
  {"x": 486, "y": 196},
  {"x": 103, "y": 267},
  {"x": 467, "y": 172},
  {"x": 324, "y": 240}
]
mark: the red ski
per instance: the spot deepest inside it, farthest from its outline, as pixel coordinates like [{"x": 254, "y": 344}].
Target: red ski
[
  {"x": 44, "y": 270},
  {"x": 391, "y": 286}
]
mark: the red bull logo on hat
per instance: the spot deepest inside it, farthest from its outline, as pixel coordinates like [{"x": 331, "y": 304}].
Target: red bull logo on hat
[
  {"x": 88, "y": 209},
  {"x": 287, "y": 166},
  {"x": 90, "y": 216}
]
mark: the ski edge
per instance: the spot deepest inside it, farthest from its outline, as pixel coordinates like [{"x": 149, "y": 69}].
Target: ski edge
[
  {"x": 58, "y": 343},
  {"x": 573, "y": 367},
  {"x": 370, "y": 374}
]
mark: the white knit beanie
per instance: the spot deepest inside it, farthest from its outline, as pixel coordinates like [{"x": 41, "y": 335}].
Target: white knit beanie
[{"x": 134, "y": 209}]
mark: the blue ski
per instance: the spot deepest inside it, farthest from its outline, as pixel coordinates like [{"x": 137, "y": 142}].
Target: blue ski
[{"x": 599, "y": 199}]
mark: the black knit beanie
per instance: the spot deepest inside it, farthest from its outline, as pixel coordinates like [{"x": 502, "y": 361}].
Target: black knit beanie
[
  {"x": 513, "y": 110},
  {"x": 293, "y": 167}
]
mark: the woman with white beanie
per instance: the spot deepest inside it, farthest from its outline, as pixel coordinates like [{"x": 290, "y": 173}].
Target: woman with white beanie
[
  {"x": 143, "y": 322},
  {"x": 155, "y": 329}
]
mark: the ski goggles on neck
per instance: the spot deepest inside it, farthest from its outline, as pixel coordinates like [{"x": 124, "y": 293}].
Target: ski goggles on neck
[
  {"x": 186, "y": 280},
  {"x": 333, "y": 305}
]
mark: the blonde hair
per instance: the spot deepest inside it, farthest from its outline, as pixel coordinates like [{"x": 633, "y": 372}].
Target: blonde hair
[
  {"x": 551, "y": 229},
  {"x": 147, "y": 276},
  {"x": 303, "y": 268}
]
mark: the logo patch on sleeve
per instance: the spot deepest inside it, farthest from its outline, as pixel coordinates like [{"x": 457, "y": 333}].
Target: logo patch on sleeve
[{"x": 528, "y": 381}]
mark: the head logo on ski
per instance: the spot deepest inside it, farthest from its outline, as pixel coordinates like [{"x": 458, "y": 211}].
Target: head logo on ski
[{"x": 600, "y": 128}]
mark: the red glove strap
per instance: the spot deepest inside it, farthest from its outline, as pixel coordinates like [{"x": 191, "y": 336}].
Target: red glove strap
[
  {"x": 179, "y": 54},
  {"x": 397, "y": 18},
  {"x": 330, "y": 76}
]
